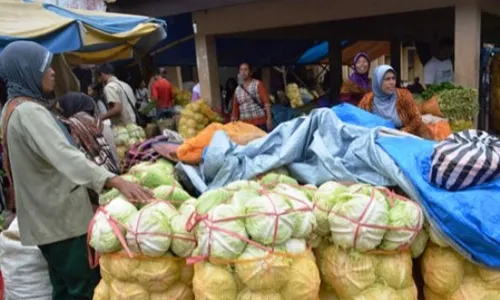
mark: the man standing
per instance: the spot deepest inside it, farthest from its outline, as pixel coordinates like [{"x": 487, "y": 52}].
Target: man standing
[
  {"x": 49, "y": 175},
  {"x": 439, "y": 68},
  {"x": 162, "y": 94},
  {"x": 119, "y": 96}
]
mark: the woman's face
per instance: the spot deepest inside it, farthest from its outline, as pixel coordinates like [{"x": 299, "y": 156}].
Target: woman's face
[
  {"x": 389, "y": 83},
  {"x": 48, "y": 81},
  {"x": 362, "y": 65},
  {"x": 244, "y": 71}
]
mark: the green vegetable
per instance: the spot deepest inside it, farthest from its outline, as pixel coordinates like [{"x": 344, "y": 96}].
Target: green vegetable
[
  {"x": 459, "y": 104},
  {"x": 434, "y": 89},
  {"x": 404, "y": 214},
  {"x": 176, "y": 195},
  {"x": 326, "y": 196}
]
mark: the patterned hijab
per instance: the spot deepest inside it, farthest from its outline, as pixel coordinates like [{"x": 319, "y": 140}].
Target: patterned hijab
[
  {"x": 384, "y": 104},
  {"x": 359, "y": 79}
]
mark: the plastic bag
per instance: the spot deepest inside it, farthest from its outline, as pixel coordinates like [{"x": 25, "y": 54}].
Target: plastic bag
[
  {"x": 24, "y": 269},
  {"x": 439, "y": 128},
  {"x": 465, "y": 159}
]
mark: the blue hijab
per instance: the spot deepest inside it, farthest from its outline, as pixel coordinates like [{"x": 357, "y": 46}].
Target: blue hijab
[
  {"x": 22, "y": 65},
  {"x": 384, "y": 105}
]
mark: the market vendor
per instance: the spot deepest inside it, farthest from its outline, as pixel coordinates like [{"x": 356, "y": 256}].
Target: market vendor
[
  {"x": 358, "y": 84},
  {"x": 391, "y": 103},
  {"x": 251, "y": 102},
  {"x": 49, "y": 175}
]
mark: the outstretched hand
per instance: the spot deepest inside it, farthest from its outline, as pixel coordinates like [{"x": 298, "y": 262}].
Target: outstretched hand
[{"x": 130, "y": 190}]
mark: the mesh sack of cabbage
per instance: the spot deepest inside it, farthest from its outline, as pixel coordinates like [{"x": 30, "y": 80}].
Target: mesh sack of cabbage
[
  {"x": 449, "y": 276},
  {"x": 142, "y": 252},
  {"x": 253, "y": 244}
]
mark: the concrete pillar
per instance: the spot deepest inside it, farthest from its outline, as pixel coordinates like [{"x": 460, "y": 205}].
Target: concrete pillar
[
  {"x": 206, "y": 60},
  {"x": 467, "y": 44}
]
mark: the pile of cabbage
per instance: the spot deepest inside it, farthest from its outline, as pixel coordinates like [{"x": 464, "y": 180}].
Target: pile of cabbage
[
  {"x": 195, "y": 117},
  {"x": 143, "y": 246},
  {"x": 353, "y": 224},
  {"x": 182, "y": 97},
  {"x": 449, "y": 276},
  {"x": 253, "y": 241},
  {"x": 127, "y": 136}
]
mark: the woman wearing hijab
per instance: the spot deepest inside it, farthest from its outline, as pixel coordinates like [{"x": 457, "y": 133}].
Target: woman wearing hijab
[
  {"x": 391, "y": 103},
  {"x": 358, "y": 84},
  {"x": 93, "y": 137},
  {"x": 49, "y": 175}
]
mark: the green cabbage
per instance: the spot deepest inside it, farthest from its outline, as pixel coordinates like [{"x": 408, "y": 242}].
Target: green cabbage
[
  {"x": 309, "y": 190},
  {"x": 102, "y": 236},
  {"x": 135, "y": 132},
  {"x": 183, "y": 242},
  {"x": 356, "y": 208},
  {"x": 404, "y": 214},
  {"x": 243, "y": 184},
  {"x": 305, "y": 221},
  {"x": 326, "y": 196},
  {"x": 139, "y": 169},
  {"x": 211, "y": 199},
  {"x": 419, "y": 244},
  {"x": 241, "y": 197},
  {"x": 121, "y": 135},
  {"x": 113, "y": 193},
  {"x": 188, "y": 207},
  {"x": 367, "y": 190},
  {"x": 166, "y": 165},
  {"x": 296, "y": 246},
  {"x": 220, "y": 243},
  {"x": 272, "y": 179},
  {"x": 155, "y": 176},
  {"x": 269, "y": 229},
  {"x": 174, "y": 194},
  {"x": 149, "y": 229}
]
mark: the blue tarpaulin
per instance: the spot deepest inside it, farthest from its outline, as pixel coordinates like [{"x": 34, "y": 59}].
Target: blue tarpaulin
[
  {"x": 317, "y": 53},
  {"x": 321, "y": 147},
  {"x": 351, "y": 114}
]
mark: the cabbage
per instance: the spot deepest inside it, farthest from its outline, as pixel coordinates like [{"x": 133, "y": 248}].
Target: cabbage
[
  {"x": 183, "y": 242},
  {"x": 241, "y": 197},
  {"x": 347, "y": 233},
  {"x": 101, "y": 292},
  {"x": 471, "y": 288},
  {"x": 214, "y": 282},
  {"x": 165, "y": 165},
  {"x": 296, "y": 246},
  {"x": 269, "y": 229},
  {"x": 442, "y": 270},
  {"x": 121, "y": 135},
  {"x": 327, "y": 195},
  {"x": 127, "y": 290},
  {"x": 173, "y": 194},
  {"x": 367, "y": 190},
  {"x": 135, "y": 132},
  {"x": 247, "y": 294},
  {"x": 379, "y": 292},
  {"x": 303, "y": 280},
  {"x": 419, "y": 244},
  {"x": 211, "y": 199},
  {"x": 113, "y": 193},
  {"x": 305, "y": 221},
  {"x": 139, "y": 169},
  {"x": 149, "y": 229},
  {"x": 243, "y": 184},
  {"x": 404, "y": 214},
  {"x": 188, "y": 207},
  {"x": 102, "y": 236},
  {"x": 309, "y": 190},
  {"x": 221, "y": 244},
  {"x": 155, "y": 176},
  {"x": 490, "y": 277},
  {"x": 395, "y": 270},
  {"x": 272, "y": 179},
  {"x": 158, "y": 274},
  {"x": 260, "y": 270}
]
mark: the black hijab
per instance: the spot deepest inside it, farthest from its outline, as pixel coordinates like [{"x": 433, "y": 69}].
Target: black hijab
[{"x": 75, "y": 102}]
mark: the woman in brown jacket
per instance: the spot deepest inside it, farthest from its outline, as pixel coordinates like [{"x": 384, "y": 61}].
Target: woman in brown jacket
[{"x": 391, "y": 103}]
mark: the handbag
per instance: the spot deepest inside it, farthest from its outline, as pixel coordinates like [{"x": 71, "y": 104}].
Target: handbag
[{"x": 138, "y": 118}]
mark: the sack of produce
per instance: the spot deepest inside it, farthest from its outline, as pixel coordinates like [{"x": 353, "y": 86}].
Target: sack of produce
[
  {"x": 253, "y": 243},
  {"x": 465, "y": 159},
  {"x": 366, "y": 233},
  {"x": 449, "y": 276},
  {"x": 143, "y": 251},
  {"x": 293, "y": 94},
  {"x": 195, "y": 117}
]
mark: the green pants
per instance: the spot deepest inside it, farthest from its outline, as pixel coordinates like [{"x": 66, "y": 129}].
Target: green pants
[{"x": 69, "y": 271}]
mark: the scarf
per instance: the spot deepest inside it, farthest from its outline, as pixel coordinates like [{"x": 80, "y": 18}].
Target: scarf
[
  {"x": 359, "y": 79},
  {"x": 22, "y": 65},
  {"x": 384, "y": 105}
]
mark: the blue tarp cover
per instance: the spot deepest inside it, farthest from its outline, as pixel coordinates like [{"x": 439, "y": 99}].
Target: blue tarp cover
[
  {"x": 321, "y": 147},
  {"x": 351, "y": 114}
]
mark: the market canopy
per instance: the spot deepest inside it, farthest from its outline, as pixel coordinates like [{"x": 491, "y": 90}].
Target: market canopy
[
  {"x": 178, "y": 49},
  {"x": 319, "y": 53},
  {"x": 89, "y": 36}
]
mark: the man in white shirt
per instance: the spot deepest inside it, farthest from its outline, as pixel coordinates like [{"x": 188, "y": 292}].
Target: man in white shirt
[
  {"x": 119, "y": 96},
  {"x": 440, "y": 68}
]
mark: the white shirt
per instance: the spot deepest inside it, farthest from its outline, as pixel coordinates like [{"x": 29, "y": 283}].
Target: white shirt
[
  {"x": 438, "y": 71},
  {"x": 117, "y": 91}
]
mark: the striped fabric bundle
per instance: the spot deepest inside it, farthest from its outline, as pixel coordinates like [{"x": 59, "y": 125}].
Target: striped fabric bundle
[{"x": 465, "y": 159}]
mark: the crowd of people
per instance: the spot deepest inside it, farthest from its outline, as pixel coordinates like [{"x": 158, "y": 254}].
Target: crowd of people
[{"x": 65, "y": 150}]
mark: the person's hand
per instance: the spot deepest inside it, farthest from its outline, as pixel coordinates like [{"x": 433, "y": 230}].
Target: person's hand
[
  {"x": 130, "y": 190},
  {"x": 269, "y": 125}
]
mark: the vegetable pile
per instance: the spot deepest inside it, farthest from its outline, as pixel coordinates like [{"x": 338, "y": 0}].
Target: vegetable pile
[
  {"x": 144, "y": 245},
  {"x": 253, "y": 241},
  {"x": 365, "y": 236},
  {"x": 127, "y": 136},
  {"x": 449, "y": 276},
  {"x": 292, "y": 91},
  {"x": 182, "y": 97},
  {"x": 195, "y": 117}
]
